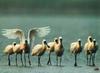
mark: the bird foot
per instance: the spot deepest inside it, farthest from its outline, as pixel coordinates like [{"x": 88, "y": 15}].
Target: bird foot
[
  {"x": 9, "y": 64},
  {"x": 29, "y": 63},
  {"x": 39, "y": 65},
  {"x": 93, "y": 65},
  {"x": 25, "y": 65},
  {"x": 56, "y": 64},
  {"x": 49, "y": 63},
  {"x": 16, "y": 64},
  {"x": 75, "y": 64}
]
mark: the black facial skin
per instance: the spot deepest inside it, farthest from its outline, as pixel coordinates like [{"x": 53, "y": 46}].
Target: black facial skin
[
  {"x": 94, "y": 42},
  {"x": 79, "y": 42},
  {"x": 14, "y": 44},
  {"x": 56, "y": 41},
  {"x": 46, "y": 44},
  {"x": 91, "y": 39},
  {"x": 25, "y": 41},
  {"x": 61, "y": 40}
]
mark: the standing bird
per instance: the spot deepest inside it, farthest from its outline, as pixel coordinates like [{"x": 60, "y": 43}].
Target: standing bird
[
  {"x": 25, "y": 45},
  {"x": 88, "y": 45},
  {"x": 17, "y": 50},
  {"x": 90, "y": 49},
  {"x": 76, "y": 48},
  {"x": 39, "y": 50},
  {"x": 59, "y": 49},
  {"x": 51, "y": 49},
  {"x": 94, "y": 51},
  {"x": 9, "y": 51}
]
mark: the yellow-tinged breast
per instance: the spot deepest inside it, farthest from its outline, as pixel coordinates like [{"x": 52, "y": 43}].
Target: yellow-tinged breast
[
  {"x": 51, "y": 44},
  {"x": 75, "y": 47},
  {"x": 88, "y": 46},
  {"x": 16, "y": 48},
  {"x": 8, "y": 49},
  {"x": 36, "y": 49}
]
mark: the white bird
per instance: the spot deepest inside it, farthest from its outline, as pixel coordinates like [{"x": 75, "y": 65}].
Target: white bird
[
  {"x": 39, "y": 50},
  {"x": 88, "y": 45},
  {"x": 51, "y": 49},
  {"x": 94, "y": 50},
  {"x": 9, "y": 51},
  {"x": 26, "y": 44},
  {"x": 90, "y": 48},
  {"x": 76, "y": 48},
  {"x": 59, "y": 49}
]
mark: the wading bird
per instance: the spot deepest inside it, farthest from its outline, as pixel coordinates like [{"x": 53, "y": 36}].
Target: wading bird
[
  {"x": 90, "y": 49},
  {"x": 25, "y": 44},
  {"x": 51, "y": 49},
  {"x": 39, "y": 50},
  {"x": 59, "y": 49},
  {"x": 9, "y": 51},
  {"x": 76, "y": 48}
]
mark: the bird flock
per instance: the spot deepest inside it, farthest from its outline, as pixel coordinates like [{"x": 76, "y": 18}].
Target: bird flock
[{"x": 26, "y": 46}]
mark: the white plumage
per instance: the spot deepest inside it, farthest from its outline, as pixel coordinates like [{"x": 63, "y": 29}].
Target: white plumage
[
  {"x": 76, "y": 48},
  {"x": 39, "y": 50},
  {"x": 90, "y": 48},
  {"x": 59, "y": 49},
  {"x": 51, "y": 49},
  {"x": 52, "y": 44},
  {"x": 9, "y": 51},
  {"x": 32, "y": 33}
]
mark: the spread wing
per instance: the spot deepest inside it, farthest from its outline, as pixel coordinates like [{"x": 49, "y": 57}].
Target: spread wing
[
  {"x": 38, "y": 32},
  {"x": 13, "y": 34},
  {"x": 41, "y": 32}
]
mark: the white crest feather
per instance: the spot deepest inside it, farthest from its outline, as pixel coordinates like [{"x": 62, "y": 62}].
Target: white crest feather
[
  {"x": 60, "y": 37},
  {"x": 94, "y": 39},
  {"x": 79, "y": 40},
  {"x": 44, "y": 40}
]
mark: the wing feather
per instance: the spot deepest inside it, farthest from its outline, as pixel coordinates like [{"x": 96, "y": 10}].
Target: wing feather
[
  {"x": 41, "y": 32},
  {"x": 13, "y": 33}
]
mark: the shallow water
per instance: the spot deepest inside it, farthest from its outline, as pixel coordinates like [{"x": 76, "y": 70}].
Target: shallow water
[{"x": 69, "y": 27}]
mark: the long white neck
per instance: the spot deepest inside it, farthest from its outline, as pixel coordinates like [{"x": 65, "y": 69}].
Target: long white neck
[
  {"x": 28, "y": 38},
  {"x": 22, "y": 39},
  {"x": 30, "y": 41},
  {"x": 60, "y": 42},
  {"x": 79, "y": 43},
  {"x": 44, "y": 46}
]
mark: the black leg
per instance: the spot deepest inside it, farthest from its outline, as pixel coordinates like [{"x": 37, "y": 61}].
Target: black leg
[
  {"x": 25, "y": 59},
  {"x": 8, "y": 59},
  {"x": 87, "y": 59},
  {"x": 75, "y": 60},
  {"x": 93, "y": 59},
  {"x": 60, "y": 60},
  {"x": 57, "y": 60},
  {"x": 21, "y": 59},
  {"x": 49, "y": 60},
  {"x": 39, "y": 61},
  {"x": 29, "y": 59},
  {"x": 90, "y": 59},
  {"x": 16, "y": 59}
]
